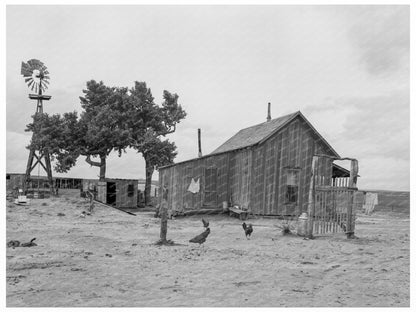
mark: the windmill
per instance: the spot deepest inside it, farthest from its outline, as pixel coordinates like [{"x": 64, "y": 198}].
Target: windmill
[{"x": 36, "y": 76}]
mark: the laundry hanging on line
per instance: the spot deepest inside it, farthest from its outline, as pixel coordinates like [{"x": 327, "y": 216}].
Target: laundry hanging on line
[{"x": 370, "y": 200}]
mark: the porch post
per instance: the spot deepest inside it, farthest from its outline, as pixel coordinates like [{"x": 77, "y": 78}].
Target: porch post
[
  {"x": 352, "y": 185},
  {"x": 311, "y": 200}
]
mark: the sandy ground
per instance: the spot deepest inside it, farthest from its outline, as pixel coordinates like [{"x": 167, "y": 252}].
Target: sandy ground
[{"x": 110, "y": 259}]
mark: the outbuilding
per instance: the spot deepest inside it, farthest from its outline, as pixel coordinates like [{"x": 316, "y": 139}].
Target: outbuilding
[{"x": 120, "y": 193}]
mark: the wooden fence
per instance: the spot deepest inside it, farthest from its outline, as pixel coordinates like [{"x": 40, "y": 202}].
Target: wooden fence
[{"x": 331, "y": 201}]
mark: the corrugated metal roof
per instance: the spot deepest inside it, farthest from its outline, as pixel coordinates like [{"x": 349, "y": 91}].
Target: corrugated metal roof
[{"x": 254, "y": 134}]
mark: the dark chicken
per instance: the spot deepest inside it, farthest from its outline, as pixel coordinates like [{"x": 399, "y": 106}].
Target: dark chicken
[
  {"x": 248, "y": 229},
  {"x": 30, "y": 244},
  {"x": 200, "y": 239}
]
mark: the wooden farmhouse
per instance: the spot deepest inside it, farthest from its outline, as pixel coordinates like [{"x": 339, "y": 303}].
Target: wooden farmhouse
[{"x": 265, "y": 169}]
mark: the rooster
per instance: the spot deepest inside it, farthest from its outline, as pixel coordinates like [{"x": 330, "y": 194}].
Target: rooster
[
  {"x": 200, "y": 239},
  {"x": 206, "y": 223},
  {"x": 248, "y": 229}
]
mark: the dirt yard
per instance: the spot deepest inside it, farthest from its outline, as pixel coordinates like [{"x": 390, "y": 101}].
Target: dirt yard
[{"x": 109, "y": 259}]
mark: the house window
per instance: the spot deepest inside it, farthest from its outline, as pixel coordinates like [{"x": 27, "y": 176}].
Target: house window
[
  {"x": 130, "y": 190},
  {"x": 292, "y": 186}
]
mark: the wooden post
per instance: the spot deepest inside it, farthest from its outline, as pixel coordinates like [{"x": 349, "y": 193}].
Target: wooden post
[
  {"x": 164, "y": 215},
  {"x": 311, "y": 200},
  {"x": 353, "y": 174},
  {"x": 269, "y": 116},
  {"x": 352, "y": 185}
]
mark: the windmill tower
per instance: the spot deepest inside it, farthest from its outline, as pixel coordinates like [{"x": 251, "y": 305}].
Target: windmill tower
[{"x": 36, "y": 76}]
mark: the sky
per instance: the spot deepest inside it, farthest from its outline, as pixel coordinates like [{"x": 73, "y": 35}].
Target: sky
[{"x": 346, "y": 68}]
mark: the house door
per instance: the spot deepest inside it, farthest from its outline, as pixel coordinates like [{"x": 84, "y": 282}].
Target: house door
[
  {"x": 210, "y": 190},
  {"x": 111, "y": 193}
]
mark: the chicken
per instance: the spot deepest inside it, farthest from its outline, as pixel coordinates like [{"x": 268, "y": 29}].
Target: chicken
[
  {"x": 200, "y": 239},
  {"x": 29, "y": 244},
  {"x": 206, "y": 223},
  {"x": 13, "y": 243},
  {"x": 248, "y": 229}
]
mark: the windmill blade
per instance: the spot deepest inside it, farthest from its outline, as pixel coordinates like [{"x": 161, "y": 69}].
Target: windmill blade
[
  {"x": 28, "y": 79},
  {"x": 46, "y": 77},
  {"x": 25, "y": 70},
  {"x": 35, "y": 64},
  {"x": 43, "y": 86}
]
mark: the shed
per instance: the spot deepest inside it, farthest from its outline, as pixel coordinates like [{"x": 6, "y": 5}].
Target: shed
[
  {"x": 120, "y": 193},
  {"x": 265, "y": 169},
  {"x": 14, "y": 181}
]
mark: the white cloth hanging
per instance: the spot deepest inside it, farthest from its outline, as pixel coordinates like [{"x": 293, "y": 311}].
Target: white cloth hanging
[
  {"x": 371, "y": 199},
  {"x": 194, "y": 186}
]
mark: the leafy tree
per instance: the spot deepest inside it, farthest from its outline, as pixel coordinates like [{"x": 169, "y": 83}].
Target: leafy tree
[
  {"x": 55, "y": 134},
  {"x": 99, "y": 130},
  {"x": 102, "y": 123},
  {"x": 148, "y": 123}
]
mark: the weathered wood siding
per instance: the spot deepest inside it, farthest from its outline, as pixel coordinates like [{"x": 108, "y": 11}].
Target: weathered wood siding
[
  {"x": 240, "y": 177},
  {"x": 124, "y": 196},
  {"x": 211, "y": 172},
  {"x": 254, "y": 177},
  {"x": 291, "y": 148},
  {"x": 15, "y": 181}
]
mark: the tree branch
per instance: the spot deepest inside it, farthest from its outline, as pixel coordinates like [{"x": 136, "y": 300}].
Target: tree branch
[{"x": 92, "y": 163}]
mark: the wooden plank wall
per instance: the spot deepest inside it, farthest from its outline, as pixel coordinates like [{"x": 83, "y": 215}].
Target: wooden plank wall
[
  {"x": 240, "y": 163},
  {"x": 293, "y": 147},
  {"x": 257, "y": 185},
  {"x": 269, "y": 175},
  {"x": 255, "y": 177},
  {"x": 245, "y": 161},
  {"x": 15, "y": 181},
  {"x": 122, "y": 198},
  {"x": 222, "y": 179},
  {"x": 178, "y": 178},
  {"x": 102, "y": 191}
]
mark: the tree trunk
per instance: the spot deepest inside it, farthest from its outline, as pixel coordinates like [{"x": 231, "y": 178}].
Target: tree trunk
[
  {"x": 103, "y": 167},
  {"x": 101, "y": 164},
  {"x": 148, "y": 186}
]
